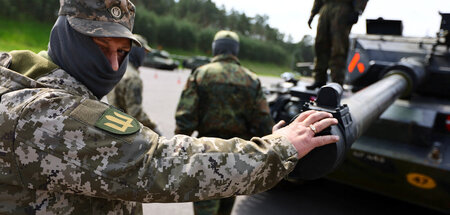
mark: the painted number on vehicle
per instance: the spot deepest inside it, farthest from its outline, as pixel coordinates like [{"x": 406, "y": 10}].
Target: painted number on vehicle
[{"x": 420, "y": 181}]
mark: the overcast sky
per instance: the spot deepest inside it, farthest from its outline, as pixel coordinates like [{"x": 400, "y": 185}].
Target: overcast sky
[{"x": 420, "y": 17}]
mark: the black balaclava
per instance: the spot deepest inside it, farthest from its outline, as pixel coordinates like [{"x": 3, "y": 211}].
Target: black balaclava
[
  {"x": 78, "y": 55},
  {"x": 225, "y": 46},
  {"x": 137, "y": 55}
]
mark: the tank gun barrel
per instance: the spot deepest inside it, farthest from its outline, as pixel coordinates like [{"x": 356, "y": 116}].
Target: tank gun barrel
[
  {"x": 356, "y": 114},
  {"x": 368, "y": 104}
]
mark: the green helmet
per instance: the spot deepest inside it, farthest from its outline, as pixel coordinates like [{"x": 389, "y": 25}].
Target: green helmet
[
  {"x": 100, "y": 18},
  {"x": 225, "y": 42}
]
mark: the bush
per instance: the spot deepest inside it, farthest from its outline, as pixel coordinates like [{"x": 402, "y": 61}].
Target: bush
[
  {"x": 161, "y": 31},
  {"x": 186, "y": 35},
  {"x": 261, "y": 51},
  {"x": 146, "y": 24},
  {"x": 205, "y": 38}
]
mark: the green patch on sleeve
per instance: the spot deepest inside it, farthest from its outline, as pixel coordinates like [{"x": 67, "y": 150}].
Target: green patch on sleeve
[{"x": 117, "y": 122}]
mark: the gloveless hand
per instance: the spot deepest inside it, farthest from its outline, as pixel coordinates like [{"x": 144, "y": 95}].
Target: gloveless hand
[{"x": 301, "y": 132}]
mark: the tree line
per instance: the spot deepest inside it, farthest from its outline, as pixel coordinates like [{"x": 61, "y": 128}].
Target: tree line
[{"x": 189, "y": 25}]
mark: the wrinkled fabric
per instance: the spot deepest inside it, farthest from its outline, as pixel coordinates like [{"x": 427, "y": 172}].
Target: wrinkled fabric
[
  {"x": 53, "y": 160},
  {"x": 82, "y": 59},
  {"x": 223, "y": 99},
  {"x": 127, "y": 96}
]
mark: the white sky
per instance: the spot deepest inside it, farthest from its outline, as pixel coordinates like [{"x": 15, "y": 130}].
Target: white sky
[{"x": 420, "y": 17}]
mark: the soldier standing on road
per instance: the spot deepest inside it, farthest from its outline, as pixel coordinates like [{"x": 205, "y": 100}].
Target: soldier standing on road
[
  {"x": 335, "y": 23},
  {"x": 127, "y": 94},
  {"x": 223, "y": 99},
  {"x": 62, "y": 151}
]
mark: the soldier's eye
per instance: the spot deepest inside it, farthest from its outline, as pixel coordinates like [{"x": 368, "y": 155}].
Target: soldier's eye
[{"x": 122, "y": 52}]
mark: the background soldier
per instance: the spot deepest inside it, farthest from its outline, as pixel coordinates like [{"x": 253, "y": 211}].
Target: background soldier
[
  {"x": 335, "y": 23},
  {"x": 223, "y": 99},
  {"x": 62, "y": 151},
  {"x": 127, "y": 94}
]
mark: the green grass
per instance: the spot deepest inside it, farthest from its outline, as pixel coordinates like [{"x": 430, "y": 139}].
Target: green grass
[
  {"x": 265, "y": 69},
  {"x": 31, "y": 35},
  {"x": 19, "y": 35}
]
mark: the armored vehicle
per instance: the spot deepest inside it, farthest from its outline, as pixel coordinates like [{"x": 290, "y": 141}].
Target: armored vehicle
[
  {"x": 196, "y": 61},
  {"x": 160, "y": 59},
  {"x": 394, "y": 117}
]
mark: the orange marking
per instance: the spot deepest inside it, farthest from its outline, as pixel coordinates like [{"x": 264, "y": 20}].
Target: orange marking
[
  {"x": 353, "y": 63},
  {"x": 361, "y": 67}
]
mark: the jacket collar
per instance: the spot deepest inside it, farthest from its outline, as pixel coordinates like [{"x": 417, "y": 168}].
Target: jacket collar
[
  {"x": 52, "y": 77},
  {"x": 226, "y": 58}
]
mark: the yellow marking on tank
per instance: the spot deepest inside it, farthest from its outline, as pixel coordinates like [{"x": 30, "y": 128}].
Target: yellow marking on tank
[
  {"x": 125, "y": 123},
  {"x": 420, "y": 180}
]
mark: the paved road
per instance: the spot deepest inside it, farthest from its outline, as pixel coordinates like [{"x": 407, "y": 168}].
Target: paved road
[
  {"x": 161, "y": 93},
  {"x": 162, "y": 90}
]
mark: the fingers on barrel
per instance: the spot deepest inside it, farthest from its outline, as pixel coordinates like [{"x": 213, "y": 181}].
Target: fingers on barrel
[
  {"x": 304, "y": 115},
  {"x": 324, "y": 123},
  {"x": 323, "y": 140},
  {"x": 279, "y": 125},
  {"x": 314, "y": 117}
]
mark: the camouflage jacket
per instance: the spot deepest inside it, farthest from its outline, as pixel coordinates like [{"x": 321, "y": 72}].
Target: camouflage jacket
[
  {"x": 64, "y": 152},
  {"x": 127, "y": 95},
  {"x": 223, "y": 99},
  {"x": 356, "y": 5}
]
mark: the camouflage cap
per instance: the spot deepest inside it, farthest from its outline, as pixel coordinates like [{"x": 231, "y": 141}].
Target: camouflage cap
[
  {"x": 143, "y": 42},
  {"x": 100, "y": 18},
  {"x": 226, "y": 34}
]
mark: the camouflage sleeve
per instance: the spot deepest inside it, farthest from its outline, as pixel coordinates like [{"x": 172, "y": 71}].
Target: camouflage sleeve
[
  {"x": 132, "y": 101},
  {"x": 359, "y": 5},
  {"x": 260, "y": 120},
  {"x": 316, "y": 7},
  {"x": 186, "y": 115},
  {"x": 61, "y": 148}
]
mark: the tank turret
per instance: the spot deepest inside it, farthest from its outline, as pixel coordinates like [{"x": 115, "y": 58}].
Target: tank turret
[{"x": 394, "y": 116}]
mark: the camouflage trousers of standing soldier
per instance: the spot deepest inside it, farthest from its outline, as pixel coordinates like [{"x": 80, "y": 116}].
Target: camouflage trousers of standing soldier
[
  {"x": 214, "y": 207},
  {"x": 332, "y": 42}
]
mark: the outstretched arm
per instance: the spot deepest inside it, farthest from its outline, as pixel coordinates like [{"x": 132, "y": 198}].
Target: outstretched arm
[{"x": 64, "y": 149}]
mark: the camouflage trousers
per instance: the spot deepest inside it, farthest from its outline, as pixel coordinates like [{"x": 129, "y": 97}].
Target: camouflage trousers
[
  {"x": 214, "y": 207},
  {"x": 332, "y": 42}
]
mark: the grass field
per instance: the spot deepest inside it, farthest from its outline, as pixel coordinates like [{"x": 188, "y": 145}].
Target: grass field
[
  {"x": 17, "y": 35},
  {"x": 34, "y": 36}
]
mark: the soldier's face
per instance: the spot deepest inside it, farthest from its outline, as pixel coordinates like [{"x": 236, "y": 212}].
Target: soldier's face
[{"x": 115, "y": 49}]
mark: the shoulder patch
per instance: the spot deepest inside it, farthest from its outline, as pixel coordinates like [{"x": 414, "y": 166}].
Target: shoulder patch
[{"x": 117, "y": 122}]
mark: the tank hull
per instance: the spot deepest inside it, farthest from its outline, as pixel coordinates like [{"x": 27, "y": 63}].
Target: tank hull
[{"x": 398, "y": 170}]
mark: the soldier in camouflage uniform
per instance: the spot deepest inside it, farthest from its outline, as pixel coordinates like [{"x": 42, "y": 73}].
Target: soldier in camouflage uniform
[
  {"x": 331, "y": 47},
  {"x": 127, "y": 94},
  {"x": 223, "y": 99},
  {"x": 62, "y": 151}
]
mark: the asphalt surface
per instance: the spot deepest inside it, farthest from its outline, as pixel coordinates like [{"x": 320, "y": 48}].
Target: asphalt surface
[{"x": 162, "y": 90}]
